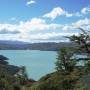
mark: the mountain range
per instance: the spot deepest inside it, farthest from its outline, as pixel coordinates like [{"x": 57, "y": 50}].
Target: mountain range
[{"x": 46, "y": 46}]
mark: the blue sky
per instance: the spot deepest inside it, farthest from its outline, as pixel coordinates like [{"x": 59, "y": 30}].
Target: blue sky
[{"x": 42, "y": 20}]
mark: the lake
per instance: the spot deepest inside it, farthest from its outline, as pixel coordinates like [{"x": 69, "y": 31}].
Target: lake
[{"x": 38, "y": 63}]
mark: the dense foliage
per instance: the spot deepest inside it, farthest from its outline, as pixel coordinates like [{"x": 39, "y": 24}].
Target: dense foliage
[{"x": 12, "y": 77}]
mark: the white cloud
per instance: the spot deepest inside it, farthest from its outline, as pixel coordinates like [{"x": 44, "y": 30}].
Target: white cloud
[
  {"x": 37, "y": 24},
  {"x": 38, "y": 29},
  {"x": 58, "y": 11},
  {"x": 9, "y": 27},
  {"x": 30, "y": 2},
  {"x": 54, "y": 13},
  {"x": 82, "y": 23},
  {"x": 67, "y": 27},
  {"x": 45, "y": 37},
  {"x": 86, "y": 10},
  {"x": 48, "y": 37}
]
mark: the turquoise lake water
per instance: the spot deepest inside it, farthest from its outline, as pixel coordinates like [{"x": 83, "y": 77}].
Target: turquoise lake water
[{"x": 38, "y": 63}]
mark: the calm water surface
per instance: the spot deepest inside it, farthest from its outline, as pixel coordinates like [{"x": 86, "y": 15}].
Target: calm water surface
[{"x": 38, "y": 63}]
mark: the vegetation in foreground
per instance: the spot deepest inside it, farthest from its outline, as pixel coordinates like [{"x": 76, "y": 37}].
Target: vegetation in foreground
[
  {"x": 13, "y": 77},
  {"x": 72, "y": 71}
]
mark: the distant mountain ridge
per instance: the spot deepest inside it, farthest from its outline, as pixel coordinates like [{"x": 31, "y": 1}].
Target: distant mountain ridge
[
  {"x": 45, "y": 46},
  {"x": 12, "y": 42}
]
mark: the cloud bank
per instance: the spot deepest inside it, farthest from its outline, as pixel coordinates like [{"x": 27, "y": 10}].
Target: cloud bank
[{"x": 38, "y": 29}]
